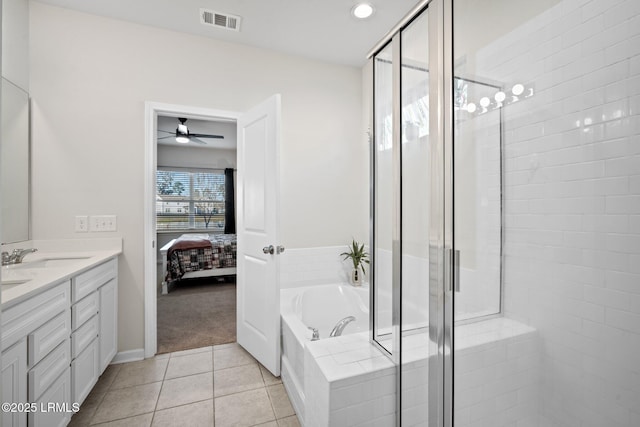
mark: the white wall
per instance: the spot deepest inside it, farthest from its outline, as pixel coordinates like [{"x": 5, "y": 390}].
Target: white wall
[
  {"x": 196, "y": 157},
  {"x": 572, "y": 201},
  {"x": 90, "y": 77}
]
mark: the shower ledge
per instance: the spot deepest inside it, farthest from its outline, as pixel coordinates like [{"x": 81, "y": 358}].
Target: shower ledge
[{"x": 348, "y": 366}]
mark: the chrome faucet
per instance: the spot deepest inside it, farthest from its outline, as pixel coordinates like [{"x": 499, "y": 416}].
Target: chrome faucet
[
  {"x": 316, "y": 334},
  {"x": 337, "y": 330},
  {"x": 16, "y": 256}
]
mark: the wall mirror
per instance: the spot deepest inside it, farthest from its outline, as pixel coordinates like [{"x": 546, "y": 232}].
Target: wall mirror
[{"x": 14, "y": 162}]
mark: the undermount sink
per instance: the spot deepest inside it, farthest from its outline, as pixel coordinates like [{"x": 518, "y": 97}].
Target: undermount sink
[
  {"x": 7, "y": 284},
  {"x": 50, "y": 262}
]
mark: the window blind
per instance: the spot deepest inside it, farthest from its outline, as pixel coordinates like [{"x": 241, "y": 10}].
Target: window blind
[{"x": 190, "y": 200}]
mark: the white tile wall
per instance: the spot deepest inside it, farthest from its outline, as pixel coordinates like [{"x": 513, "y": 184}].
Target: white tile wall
[
  {"x": 348, "y": 382},
  {"x": 497, "y": 365},
  {"x": 314, "y": 266},
  {"x": 572, "y": 207}
]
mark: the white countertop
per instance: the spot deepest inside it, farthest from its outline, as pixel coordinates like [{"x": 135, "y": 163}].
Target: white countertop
[{"x": 77, "y": 256}]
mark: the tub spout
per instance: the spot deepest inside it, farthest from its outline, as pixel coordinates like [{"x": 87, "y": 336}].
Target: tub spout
[{"x": 337, "y": 330}]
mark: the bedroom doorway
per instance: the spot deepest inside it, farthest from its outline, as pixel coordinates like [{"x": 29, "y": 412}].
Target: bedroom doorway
[
  {"x": 191, "y": 176},
  {"x": 257, "y": 216},
  {"x": 195, "y": 225}
]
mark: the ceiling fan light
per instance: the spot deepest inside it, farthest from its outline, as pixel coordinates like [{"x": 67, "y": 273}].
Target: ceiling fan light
[
  {"x": 182, "y": 139},
  {"x": 182, "y": 128}
]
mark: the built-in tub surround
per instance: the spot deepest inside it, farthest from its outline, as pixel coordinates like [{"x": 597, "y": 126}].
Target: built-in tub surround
[
  {"x": 319, "y": 307},
  {"x": 347, "y": 381}
]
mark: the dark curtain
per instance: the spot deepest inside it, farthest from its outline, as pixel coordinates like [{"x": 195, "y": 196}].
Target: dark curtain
[{"x": 229, "y": 203}]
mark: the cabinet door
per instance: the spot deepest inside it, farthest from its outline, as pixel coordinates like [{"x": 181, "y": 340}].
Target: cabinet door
[
  {"x": 85, "y": 371},
  {"x": 108, "y": 323},
  {"x": 54, "y": 406},
  {"x": 14, "y": 382}
]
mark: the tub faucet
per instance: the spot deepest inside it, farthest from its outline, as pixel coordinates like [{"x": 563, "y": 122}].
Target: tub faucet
[
  {"x": 316, "y": 334},
  {"x": 16, "y": 256},
  {"x": 337, "y": 330}
]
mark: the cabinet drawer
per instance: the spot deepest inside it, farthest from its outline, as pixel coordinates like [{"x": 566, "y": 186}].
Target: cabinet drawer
[
  {"x": 84, "y": 310},
  {"x": 85, "y": 371},
  {"x": 44, "y": 374},
  {"x": 91, "y": 280},
  {"x": 59, "y": 393},
  {"x": 21, "y": 319},
  {"x": 48, "y": 336},
  {"x": 81, "y": 338}
]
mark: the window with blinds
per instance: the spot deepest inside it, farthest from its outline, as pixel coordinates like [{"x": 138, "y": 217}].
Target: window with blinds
[{"x": 189, "y": 200}]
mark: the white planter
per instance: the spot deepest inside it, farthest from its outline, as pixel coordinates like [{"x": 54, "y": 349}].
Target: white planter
[{"x": 356, "y": 277}]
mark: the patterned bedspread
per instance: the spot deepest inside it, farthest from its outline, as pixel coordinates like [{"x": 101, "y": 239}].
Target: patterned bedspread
[{"x": 193, "y": 252}]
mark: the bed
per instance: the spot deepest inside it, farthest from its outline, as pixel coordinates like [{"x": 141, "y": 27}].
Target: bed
[{"x": 198, "y": 255}]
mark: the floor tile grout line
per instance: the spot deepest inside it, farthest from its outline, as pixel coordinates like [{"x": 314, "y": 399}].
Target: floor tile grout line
[
  {"x": 242, "y": 391},
  {"x": 118, "y": 419},
  {"x": 155, "y": 408},
  {"x": 238, "y": 366},
  {"x": 273, "y": 409}
]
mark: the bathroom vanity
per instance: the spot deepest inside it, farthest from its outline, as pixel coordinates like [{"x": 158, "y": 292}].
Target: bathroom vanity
[{"x": 59, "y": 331}]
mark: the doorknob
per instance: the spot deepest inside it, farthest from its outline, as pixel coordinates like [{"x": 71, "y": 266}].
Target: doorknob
[
  {"x": 279, "y": 249},
  {"x": 268, "y": 249}
]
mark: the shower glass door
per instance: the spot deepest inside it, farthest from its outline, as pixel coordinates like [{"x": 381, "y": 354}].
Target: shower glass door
[
  {"x": 407, "y": 238},
  {"x": 415, "y": 215}
]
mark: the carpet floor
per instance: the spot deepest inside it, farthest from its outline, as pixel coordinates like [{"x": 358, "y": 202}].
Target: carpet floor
[{"x": 197, "y": 313}]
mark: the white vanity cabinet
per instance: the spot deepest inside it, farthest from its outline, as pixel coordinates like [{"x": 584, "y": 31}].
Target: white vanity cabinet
[
  {"x": 94, "y": 299},
  {"x": 36, "y": 355},
  {"x": 57, "y": 342}
]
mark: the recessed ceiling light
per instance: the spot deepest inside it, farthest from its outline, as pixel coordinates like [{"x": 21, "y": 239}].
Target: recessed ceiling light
[{"x": 362, "y": 10}]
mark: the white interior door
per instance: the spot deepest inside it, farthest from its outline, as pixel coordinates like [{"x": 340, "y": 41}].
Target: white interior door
[{"x": 258, "y": 288}]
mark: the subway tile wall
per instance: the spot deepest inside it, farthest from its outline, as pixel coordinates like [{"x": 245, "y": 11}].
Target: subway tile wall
[
  {"x": 571, "y": 165},
  {"x": 314, "y": 266}
]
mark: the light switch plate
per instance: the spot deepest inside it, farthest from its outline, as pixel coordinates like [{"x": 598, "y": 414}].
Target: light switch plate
[
  {"x": 102, "y": 223},
  {"x": 82, "y": 223}
]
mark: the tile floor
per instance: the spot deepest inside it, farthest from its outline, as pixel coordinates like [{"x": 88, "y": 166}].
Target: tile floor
[{"x": 211, "y": 386}]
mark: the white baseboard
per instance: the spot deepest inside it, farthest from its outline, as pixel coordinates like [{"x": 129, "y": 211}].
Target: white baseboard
[{"x": 128, "y": 356}]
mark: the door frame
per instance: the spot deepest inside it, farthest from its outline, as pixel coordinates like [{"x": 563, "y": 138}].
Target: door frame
[
  {"x": 152, "y": 110},
  {"x": 441, "y": 300}
]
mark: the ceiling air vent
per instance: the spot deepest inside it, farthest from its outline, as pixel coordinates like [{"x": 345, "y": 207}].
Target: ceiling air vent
[{"x": 220, "y": 20}]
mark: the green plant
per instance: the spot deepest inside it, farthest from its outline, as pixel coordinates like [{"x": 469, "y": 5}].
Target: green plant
[{"x": 357, "y": 255}]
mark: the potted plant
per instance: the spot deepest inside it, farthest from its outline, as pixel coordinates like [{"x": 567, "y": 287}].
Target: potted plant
[{"x": 359, "y": 258}]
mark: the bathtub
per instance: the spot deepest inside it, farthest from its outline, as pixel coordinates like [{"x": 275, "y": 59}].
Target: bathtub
[{"x": 320, "y": 307}]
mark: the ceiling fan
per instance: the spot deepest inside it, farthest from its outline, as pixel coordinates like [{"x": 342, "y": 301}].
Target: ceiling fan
[{"x": 183, "y": 135}]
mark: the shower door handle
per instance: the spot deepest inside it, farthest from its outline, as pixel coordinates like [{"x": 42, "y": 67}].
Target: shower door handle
[{"x": 456, "y": 270}]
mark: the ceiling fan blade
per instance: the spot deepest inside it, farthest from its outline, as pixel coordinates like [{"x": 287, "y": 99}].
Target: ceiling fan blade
[
  {"x": 202, "y": 135},
  {"x": 166, "y": 131},
  {"x": 167, "y": 137},
  {"x": 196, "y": 140}
]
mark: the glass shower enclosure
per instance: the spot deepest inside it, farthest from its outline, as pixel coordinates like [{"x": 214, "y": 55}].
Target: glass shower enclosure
[
  {"x": 505, "y": 232},
  {"x": 407, "y": 226}
]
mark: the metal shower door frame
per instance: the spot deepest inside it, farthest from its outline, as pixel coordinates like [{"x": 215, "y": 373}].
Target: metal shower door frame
[{"x": 441, "y": 310}]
